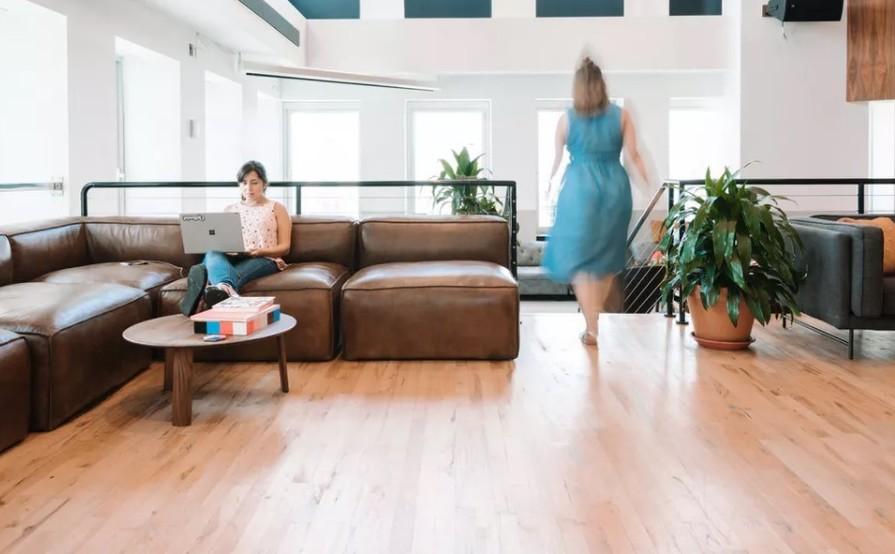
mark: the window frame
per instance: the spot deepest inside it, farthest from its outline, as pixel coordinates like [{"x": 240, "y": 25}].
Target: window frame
[{"x": 412, "y": 107}]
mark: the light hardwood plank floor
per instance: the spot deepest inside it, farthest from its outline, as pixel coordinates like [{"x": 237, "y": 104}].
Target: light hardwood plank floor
[{"x": 648, "y": 444}]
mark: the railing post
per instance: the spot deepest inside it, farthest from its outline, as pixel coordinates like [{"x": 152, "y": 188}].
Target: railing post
[
  {"x": 513, "y": 234},
  {"x": 669, "y": 302},
  {"x": 681, "y": 313},
  {"x": 84, "y": 191},
  {"x": 297, "y": 199},
  {"x": 861, "y": 205}
]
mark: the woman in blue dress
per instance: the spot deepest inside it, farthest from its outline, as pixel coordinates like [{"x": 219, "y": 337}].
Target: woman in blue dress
[{"x": 587, "y": 244}]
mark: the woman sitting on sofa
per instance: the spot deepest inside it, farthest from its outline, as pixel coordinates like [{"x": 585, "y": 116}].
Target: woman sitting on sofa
[{"x": 267, "y": 233}]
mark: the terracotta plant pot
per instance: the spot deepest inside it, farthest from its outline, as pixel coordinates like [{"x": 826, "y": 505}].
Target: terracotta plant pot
[{"x": 712, "y": 328}]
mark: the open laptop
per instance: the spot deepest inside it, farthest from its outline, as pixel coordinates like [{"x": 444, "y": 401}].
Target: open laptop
[{"x": 203, "y": 232}]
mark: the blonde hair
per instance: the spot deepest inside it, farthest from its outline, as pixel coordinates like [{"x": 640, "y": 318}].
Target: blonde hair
[{"x": 589, "y": 89}]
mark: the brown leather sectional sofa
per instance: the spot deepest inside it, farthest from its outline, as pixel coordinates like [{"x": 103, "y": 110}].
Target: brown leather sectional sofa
[{"x": 424, "y": 288}]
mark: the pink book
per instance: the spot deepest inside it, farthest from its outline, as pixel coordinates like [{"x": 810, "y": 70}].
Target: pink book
[
  {"x": 214, "y": 315},
  {"x": 252, "y": 304}
]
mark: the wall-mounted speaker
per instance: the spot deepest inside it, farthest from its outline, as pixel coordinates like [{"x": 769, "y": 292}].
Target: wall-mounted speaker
[{"x": 805, "y": 10}]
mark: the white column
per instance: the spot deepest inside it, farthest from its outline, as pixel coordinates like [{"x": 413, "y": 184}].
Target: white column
[
  {"x": 383, "y": 9},
  {"x": 91, "y": 107},
  {"x": 513, "y": 8},
  {"x": 192, "y": 108}
]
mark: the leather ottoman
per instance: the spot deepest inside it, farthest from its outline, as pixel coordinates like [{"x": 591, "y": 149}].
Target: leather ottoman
[{"x": 431, "y": 310}]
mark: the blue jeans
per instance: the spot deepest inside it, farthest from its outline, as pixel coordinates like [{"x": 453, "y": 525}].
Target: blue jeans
[{"x": 236, "y": 271}]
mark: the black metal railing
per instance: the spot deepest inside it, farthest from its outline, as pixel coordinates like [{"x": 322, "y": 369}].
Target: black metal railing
[
  {"x": 676, "y": 188},
  {"x": 509, "y": 198}
]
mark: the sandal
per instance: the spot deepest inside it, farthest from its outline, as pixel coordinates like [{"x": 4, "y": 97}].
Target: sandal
[{"x": 588, "y": 338}]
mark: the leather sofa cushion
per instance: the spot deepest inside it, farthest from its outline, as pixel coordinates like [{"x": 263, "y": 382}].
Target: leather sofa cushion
[
  {"x": 457, "y": 274},
  {"x": 47, "y": 308},
  {"x": 15, "y": 389},
  {"x": 420, "y": 239},
  {"x": 5, "y": 261},
  {"x": 7, "y": 337},
  {"x": 143, "y": 276},
  {"x": 123, "y": 239},
  {"x": 320, "y": 276},
  {"x": 149, "y": 276},
  {"x": 322, "y": 239},
  {"x": 40, "y": 247},
  {"x": 430, "y": 311}
]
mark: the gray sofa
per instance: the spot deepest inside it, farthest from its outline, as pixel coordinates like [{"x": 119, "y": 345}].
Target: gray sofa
[
  {"x": 845, "y": 285},
  {"x": 533, "y": 280}
]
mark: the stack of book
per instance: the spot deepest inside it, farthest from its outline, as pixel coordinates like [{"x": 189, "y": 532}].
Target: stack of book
[{"x": 239, "y": 315}]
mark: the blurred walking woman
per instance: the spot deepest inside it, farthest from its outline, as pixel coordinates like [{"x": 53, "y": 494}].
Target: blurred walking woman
[{"x": 587, "y": 243}]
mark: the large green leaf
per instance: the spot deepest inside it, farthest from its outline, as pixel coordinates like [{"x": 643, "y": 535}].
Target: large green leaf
[
  {"x": 733, "y": 305},
  {"x": 736, "y": 237}
]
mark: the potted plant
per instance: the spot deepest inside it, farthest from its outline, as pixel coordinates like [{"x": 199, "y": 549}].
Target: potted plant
[
  {"x": 472, "y": 199},
  {"x": 734, "y": 263}
]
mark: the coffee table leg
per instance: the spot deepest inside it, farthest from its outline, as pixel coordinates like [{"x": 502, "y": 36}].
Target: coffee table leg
[
  {"x": 169, "y": 369},
  {"x": 284, "y": 375},
  {"x": 182, "y": 396}
]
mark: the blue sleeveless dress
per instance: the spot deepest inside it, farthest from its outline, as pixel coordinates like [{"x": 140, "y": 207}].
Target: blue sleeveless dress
[{"x": 594, "y": 206}]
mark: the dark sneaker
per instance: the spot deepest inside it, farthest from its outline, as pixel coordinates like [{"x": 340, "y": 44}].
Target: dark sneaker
[
  {"x": 215, "y": 294},
  {"x": 195, "y": 284}
]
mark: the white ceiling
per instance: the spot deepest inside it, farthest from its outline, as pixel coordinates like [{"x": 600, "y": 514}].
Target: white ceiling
[{"x": 235, "y": 27}]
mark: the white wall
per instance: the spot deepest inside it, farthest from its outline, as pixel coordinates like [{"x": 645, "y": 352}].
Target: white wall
[
  {"x": 381, "y": 9},
  {"x": 517, "y": 44},
  {"x": 92, "y": 28},
  {"x": 794, "y": 116},
  {"x": 514, "y": 102},
  {"x": 33, "y": 109}
]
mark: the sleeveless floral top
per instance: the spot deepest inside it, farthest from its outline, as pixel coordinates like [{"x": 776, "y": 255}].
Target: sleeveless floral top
[{"x": 259, "y": 226}]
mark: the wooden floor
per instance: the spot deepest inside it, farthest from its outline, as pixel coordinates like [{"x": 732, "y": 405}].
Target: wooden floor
[{"x": 650, "y": 445}]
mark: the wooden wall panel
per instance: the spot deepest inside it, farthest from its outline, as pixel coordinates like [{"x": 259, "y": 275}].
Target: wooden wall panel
[{"x": 871, "y": 50}]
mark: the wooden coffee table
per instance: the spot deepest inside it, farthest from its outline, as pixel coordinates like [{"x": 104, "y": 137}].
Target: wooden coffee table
[{"x": 175, "y": 334}]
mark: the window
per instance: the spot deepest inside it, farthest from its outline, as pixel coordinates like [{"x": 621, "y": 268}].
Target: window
[
  {"x": 695, "y": 7},
  {"x": 434, "y": 130},
  {"x": 324, "y": 145},
  {"x": 446, "y": 8},
  {"x": 549, "y": 112},
  {"x": 580, "y": 8},
  {"x": 694, "y": 128},
  {"x": 882, "y": 156}
]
